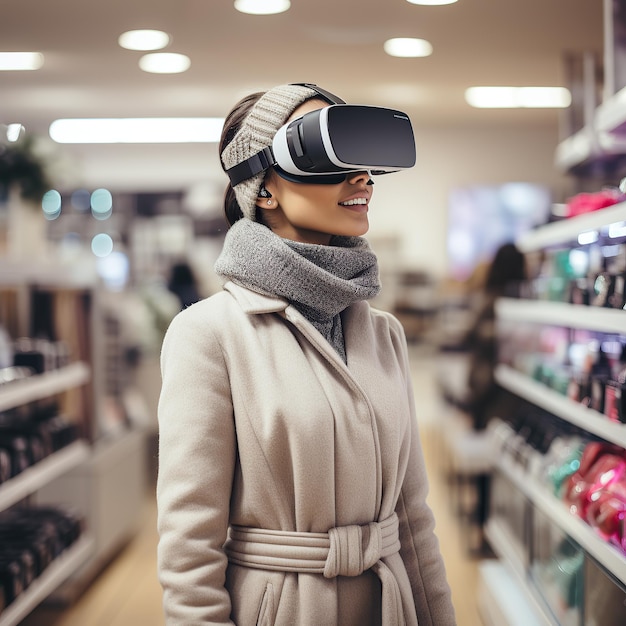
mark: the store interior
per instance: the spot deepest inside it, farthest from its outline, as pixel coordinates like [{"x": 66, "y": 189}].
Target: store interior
[{"x": 105, "y": 238}]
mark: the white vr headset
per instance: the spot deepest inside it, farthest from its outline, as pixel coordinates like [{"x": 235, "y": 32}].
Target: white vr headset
[{"x": 323, "y": 146}]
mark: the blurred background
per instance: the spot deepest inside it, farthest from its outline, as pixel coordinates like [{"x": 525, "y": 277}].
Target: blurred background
[{"x": 111, "y": 220}]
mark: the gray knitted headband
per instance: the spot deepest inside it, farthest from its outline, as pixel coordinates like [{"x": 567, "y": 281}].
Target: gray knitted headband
[{"x": 257, "y": 132}]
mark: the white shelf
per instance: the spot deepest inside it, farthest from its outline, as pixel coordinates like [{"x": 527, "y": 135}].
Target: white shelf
[
  {"x": 610, "y": 116},
  {"x": 559, "y": 405},
  {"x": 507, "y": 547},
  {"x": 576, "y": 150},
  {"x": 43, "y": 385},
  {"x": 562, "y": 314},
  {"x": 505, "y": 595},
  {"x": 606, "y": 554},
  {"x": 567, "y": 230},
  {"x": 57, "y": 572},
  {"x": 40, "y": 474}
]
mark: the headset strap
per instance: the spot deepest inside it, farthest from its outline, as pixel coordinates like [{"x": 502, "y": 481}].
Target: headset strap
[
  {"x": 260, "y": 161},
  {"x": 331, "y": 98}
]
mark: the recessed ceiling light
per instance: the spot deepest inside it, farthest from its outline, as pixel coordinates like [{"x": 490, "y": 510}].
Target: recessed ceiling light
[
  {"x": 432, "y": 2},
  {"x": 137, "y": 130},
  {"x": 408, "y": 47},
  {"x": 16, "y": 61},
  {"x": 262, "y": 7},
  {"x": 518, "y": 97},
  {"x": 164, "y": 63},
  {"x": 143, "y": 39}
]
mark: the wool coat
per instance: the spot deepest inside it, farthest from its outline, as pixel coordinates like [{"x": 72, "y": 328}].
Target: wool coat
[{"x": 263, "y": 426}]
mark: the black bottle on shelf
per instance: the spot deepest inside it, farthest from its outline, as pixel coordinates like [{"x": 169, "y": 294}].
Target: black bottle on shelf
[
  {"x": 620, "y": 389},
  {"x": 600, "y": 375}
]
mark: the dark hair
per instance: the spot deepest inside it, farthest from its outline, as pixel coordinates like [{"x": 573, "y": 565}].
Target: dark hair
[
  {"x": 232, "y": 124},
  {"x": 508, "y": 267}
]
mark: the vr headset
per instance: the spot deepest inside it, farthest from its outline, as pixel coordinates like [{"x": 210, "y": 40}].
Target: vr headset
[{"x": 324, "y": 146}]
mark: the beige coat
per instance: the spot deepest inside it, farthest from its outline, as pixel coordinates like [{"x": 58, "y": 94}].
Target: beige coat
[{"x": 262, "y": 425}]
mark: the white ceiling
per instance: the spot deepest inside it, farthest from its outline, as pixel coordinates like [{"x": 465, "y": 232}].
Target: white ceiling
[{"x": 334, "y": 43}]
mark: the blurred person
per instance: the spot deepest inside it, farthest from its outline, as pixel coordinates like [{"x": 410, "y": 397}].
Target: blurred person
[
  {"x": 484, "y": 397},
  {"x": 291, "y": 486},
  {"x": 183, "y": 284}
]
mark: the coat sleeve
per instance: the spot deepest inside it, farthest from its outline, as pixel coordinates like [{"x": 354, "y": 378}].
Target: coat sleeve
[
  {"x": 197, "y": 449},
  {"x": 419, "y": 544}
]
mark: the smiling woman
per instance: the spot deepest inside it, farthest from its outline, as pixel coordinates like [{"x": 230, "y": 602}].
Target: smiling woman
[{"x": 291, "y": 483}]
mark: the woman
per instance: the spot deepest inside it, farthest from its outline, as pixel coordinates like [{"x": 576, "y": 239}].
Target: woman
[
  {"x": 485, "y": 399},
  {"x": 291, "y": 485}
]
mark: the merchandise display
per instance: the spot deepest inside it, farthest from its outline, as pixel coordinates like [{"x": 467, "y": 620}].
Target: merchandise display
[
  {"x": 29, "y": 435},
  {"x": 30, "y": 540},
  {"x": 593, "y": 274},
  {"x": 562, "y": 456},
  {"x": 588, "y": 367}
]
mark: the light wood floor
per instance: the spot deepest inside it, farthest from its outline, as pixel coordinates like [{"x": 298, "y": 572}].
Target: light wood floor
[{"x": 127, "y": 592}]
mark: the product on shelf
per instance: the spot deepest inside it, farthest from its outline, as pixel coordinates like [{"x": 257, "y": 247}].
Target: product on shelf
[
  {"x": 587, "y": 202},
  {"x": 28, "y": 435},
  {"x": 30, "y": 540},
  {"x": 596, "y": 492}
]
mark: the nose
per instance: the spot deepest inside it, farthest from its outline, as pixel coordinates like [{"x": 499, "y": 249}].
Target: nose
[{"x": 358, "y": 177}]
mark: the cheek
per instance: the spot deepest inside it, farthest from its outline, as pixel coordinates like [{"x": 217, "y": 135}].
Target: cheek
[{"x": 310, "y": 204}]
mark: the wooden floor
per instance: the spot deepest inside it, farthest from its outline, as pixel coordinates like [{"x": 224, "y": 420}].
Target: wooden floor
[{"x": 127, "y": 592}]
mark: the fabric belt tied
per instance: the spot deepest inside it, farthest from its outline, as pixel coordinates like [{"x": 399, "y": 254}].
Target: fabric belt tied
[{"x": 342, "y": 551}]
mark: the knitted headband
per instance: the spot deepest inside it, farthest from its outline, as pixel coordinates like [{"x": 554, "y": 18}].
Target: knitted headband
[{"x": 257, "y": 132}]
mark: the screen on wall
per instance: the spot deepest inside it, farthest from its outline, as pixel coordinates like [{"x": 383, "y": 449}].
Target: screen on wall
[{"x": 483, "y": 217}]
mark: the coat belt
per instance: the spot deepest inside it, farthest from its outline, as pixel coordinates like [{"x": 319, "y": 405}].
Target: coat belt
[{"x": 342, "y": 551}]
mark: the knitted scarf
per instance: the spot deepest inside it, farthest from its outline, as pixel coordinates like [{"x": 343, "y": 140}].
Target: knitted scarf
[{"x": 320, "y": 281}]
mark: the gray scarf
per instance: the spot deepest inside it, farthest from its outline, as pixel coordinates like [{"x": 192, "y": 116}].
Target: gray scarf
[{"x": 320, "y": 281}]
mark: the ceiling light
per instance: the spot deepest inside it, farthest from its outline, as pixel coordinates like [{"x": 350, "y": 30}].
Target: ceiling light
[
  {"x": 143, "y": 39},
  {"x": 518, "y": 97},
  {"x": 432, "y": 2},
  {"x": 20, "y": 60},
  {"x": 408, "y": 47},
  {"x": 137, "y": 130},
  {"x": 262, "y": 7},
  {"x": 14, "y": 132},
  {"x": 164, "y": 63}
]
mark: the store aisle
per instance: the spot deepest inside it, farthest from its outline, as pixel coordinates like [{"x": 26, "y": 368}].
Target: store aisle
[{"x": 127, "y": 592}]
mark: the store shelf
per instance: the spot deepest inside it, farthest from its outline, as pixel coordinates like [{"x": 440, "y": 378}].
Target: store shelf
[
  {"x": 43, "y": 385},
  {"x": 562, "y": 314},
  {"x": 506, "y": 596},
  {"x": 508, "y": 548},
  {"x": 16, "y": 273},
  {"x": 58, "y": 571},
  {"x": 40, "y": 474},
  {"x": 567, "y": 230},
  {"x": 610, "y": 116},
  {"x": 559, "y": 405},
  {"x": 576, "y": 150},
  {"x": 606, "y": 554}
]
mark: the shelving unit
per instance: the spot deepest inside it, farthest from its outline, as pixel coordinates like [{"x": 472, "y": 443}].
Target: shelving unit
[
  {"x": 563, "y": 407},
  {"x": 103, "y": 476},
  {"x": 601, "y": 139},
  {"x": 37, "y": 476},
  {"x": 513, "y": 556},
  {"x": 44, "y": 585}
]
